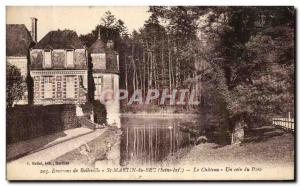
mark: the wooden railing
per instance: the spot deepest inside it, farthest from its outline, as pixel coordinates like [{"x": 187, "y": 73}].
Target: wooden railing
[{"x": 284, "y": 123}]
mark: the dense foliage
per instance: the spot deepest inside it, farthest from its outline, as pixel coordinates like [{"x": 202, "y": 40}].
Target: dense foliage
[
  {"x": 251, "y": 55},
  {"x": 100, "y": 113},
  {"x": 241, "y": 59},
  {"x": 15, "y": 85}
]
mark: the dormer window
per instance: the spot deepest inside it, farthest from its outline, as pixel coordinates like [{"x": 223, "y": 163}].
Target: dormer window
[
  {"x": 102, "y": 61},
  {"x": 99, "y": 61},
  {"x": 47, "y": 58},
  {"x": 70, "y": 58}
]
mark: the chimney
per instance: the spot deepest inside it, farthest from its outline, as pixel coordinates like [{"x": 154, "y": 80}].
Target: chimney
[
  {"x": 110, "y": 44},
  {"x": 34, "y": 28}
]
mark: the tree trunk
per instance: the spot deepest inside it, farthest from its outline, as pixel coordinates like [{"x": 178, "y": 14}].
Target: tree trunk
[
  {"x": 140, "y": 76},
  {"x": 170, "y": 65},
  {"x": 144, "y": 73},
  {"x": 132, "y": 60},
  {"x": 237, "y": 136},
  {"x": 126, "y": 77},
  {"x": 151, "y": 71}
]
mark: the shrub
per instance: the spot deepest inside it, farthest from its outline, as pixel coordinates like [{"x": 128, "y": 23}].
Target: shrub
[
  {"x": 27, "y": 122},
  {"x": 100, "y": 114}
]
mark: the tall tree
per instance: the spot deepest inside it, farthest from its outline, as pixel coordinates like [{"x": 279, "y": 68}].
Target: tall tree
[{"x": 247, "y": 59}]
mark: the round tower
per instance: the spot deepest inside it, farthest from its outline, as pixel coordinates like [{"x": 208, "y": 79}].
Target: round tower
[{"x": 105, "y": 72}]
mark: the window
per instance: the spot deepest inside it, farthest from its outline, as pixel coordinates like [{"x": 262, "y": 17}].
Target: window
[
  {"x": 70, "y": 58},
  {"x": 98, "y": 86},
  {"x": 48, "y": 87},
  {"x": 118, "y": 62},
  {"x": 99, "y": 61},
  {"x": 70, "y": 90},
  {"x": 47, "y": 60},
  {"x": 102, "y": 61},
  {"x": 112, "y": 82}
]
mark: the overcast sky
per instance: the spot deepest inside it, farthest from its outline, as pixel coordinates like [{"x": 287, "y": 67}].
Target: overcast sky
[{"x": 80, "y": 19}]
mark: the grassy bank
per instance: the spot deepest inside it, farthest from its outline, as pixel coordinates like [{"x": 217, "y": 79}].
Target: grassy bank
[{"x": 264, "y": 150}]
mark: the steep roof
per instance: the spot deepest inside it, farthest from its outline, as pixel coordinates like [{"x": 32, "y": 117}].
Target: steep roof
[
  {"x": 18, "y": 40},
  {"x": 60, "y": 39},
  {"x": 110, "y": 55},
  {"x": 97, "y": 47}
]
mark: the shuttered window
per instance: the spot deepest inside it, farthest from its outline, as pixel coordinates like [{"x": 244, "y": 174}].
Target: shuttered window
[
  {"x": 70, "y": 58},
  {"x": 112, "y": 82},
  {"x": 98, "y": 86},
  {"x": 102, "y": 61},
  {"x": 47, "y": 60},
  {"x": 48, "y": 87},
  {"x": 70, "y": 90}
]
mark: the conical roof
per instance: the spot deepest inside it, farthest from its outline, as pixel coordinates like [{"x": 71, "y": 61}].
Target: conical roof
[{"x": 98, "y": 47}]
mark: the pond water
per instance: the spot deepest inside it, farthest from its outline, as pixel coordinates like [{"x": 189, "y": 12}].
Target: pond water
[{"x": 148, "y": 140}]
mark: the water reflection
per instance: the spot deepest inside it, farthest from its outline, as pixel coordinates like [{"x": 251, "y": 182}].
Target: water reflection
[{"x": 149, "y": 140}]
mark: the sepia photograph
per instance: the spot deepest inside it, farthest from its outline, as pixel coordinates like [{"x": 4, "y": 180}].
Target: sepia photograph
[{"x": 152, "y": 93}]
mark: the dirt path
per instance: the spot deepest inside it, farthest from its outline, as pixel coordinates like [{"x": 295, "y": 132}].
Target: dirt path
[
  {"x": 57, "y": 150},
  {"x": 95, "y": 150}
]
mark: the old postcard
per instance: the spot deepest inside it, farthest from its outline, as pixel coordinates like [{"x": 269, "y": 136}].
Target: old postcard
[{"x": 150, "y": 93}]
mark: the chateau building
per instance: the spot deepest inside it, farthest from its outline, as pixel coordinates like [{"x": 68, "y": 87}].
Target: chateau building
[
  {"x": 105, "y": 72},
  {"x": 59, "y": 69},
  {"x": 18, "y": 42}
]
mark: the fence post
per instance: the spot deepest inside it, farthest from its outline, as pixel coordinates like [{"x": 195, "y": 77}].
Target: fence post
[{"x": 285, "y": 123}]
